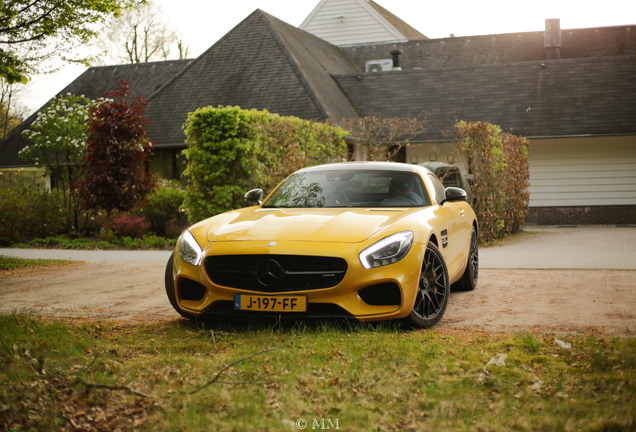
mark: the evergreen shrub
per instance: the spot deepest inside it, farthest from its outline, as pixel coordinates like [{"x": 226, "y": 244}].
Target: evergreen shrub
[
  {"x": 163, "y": 210},
  {"x": 232, "y": 150}
]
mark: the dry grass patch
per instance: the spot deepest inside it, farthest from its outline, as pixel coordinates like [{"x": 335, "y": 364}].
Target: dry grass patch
[{"x": 175, "y": 376}]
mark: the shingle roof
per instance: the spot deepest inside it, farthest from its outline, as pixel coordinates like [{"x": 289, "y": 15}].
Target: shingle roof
[
  {"x": 144, "y": 79},
  {"x": 262, "y": 63},
  {"x": 500, "y": 48},
  {"x": 537, "y": 98}
]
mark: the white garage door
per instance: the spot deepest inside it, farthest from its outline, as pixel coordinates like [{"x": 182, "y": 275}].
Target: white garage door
[{"x": 587, "y": 171}]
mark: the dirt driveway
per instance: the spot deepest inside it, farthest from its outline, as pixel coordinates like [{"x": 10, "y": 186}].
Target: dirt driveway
[{"x": 507, "y": 299}]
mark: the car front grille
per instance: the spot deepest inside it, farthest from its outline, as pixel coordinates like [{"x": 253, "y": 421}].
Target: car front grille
[{"x": 275, "y": 273}]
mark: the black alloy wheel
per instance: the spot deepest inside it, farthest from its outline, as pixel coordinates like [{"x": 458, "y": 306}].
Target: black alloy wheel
[
  {"x": 468, "y": 281},
  {"x": 432, "y": 292}
]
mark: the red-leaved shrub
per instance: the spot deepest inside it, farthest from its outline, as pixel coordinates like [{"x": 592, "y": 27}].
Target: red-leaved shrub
[{"x": 127, "y": 225}]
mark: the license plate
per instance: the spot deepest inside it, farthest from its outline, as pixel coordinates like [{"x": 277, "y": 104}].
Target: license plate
[{"x": 270, "y": 303}]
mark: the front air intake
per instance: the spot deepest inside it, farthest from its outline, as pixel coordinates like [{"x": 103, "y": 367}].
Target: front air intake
[
  {"x": 190, "y": 290},
  {"x": 385, "y": 294},
  {"x": 275, "y": 273}
]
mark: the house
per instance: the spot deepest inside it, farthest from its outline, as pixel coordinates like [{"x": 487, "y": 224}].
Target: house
[
  {"x": 144, "y": 78},
  {"x": 356, "y": 22},
  {"x": 571, "y": 92}
]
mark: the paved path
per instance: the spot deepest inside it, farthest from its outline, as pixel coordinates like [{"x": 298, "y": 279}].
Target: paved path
[
  {"x": 589, "y": 247},
  {"x": 90, "y": 256},
  {"x": 609, "y": 248}
]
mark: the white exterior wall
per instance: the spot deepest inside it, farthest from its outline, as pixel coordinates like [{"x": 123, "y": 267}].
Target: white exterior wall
[
  {"x": 360, "y": 23},
  {"x": 564, "y": 172},
  {"x": 586, "y": 171}
]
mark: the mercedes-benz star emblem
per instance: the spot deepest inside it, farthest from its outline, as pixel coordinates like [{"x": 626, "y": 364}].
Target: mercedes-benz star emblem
[{"x": 269, "y": 273}]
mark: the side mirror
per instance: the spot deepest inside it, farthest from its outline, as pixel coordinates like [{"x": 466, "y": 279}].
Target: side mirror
[
  {"x": 454, "y": 194},
  {"x": 254, "y": 196}
]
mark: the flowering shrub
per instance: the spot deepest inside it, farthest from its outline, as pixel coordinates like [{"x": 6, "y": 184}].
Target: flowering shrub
[
  {"x": 128, "y": 225},
  {"x": 59, "y": 138}
]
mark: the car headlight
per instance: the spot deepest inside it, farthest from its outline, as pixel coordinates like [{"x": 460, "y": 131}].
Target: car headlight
[
  {"x": 189, "y": 249},
  {"x": 387, "y": 251}
]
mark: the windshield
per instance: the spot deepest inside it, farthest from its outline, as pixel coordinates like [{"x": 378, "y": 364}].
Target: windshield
[{"x": 350, "y": 189}]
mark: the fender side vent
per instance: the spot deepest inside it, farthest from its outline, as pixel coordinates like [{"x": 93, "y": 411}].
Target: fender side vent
[{"x": 444, "y": 238}]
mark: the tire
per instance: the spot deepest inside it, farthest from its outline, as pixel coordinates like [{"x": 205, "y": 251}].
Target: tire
[
  {"x": 433, "y": 291},
  {"x": 468, "y": 281},
  {"x": 170, "y": 289}
]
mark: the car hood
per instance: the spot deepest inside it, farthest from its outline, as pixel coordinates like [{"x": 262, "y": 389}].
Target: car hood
[{"x": 314, "y": 225}]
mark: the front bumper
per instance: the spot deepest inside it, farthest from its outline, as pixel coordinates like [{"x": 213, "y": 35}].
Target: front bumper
[{"x": 342, "y": 300}]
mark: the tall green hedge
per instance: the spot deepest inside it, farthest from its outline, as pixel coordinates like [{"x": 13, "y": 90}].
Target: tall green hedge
[
  {"x": 499, "y": 162},
  {"x": 231, "y": 150}
]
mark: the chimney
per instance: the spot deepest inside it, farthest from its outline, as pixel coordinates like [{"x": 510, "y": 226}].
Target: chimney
[
  {"x": 552, "y": 39},
  {"x": 397, "y": 57}
]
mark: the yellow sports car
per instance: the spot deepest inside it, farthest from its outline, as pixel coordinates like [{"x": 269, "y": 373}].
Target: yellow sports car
[{"x": 365, "y": 240}]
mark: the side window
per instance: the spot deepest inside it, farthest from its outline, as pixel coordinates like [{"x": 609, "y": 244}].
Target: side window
[
  {"x": 451, "y": 178},
  {"x": 439, "y": 188}
]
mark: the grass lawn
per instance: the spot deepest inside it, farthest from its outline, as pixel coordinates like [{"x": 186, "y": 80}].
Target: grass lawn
[
  {"x": 11, "y": 263},
  {"x": 166, "y": 376}
]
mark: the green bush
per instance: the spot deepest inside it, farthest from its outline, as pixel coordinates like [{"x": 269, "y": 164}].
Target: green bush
[
  {"x": 155, "y": 242},
  {"x": 162, "y": 210},
  {"x": 104, "y": 245},
  {"x": 31, "y": 212},
  {"x": 132, "y": 243},
  {"x": 146, "y": 242},
  {"x": 233, "y": 150},
  {"x": 60, "y": 242},
  {"x": 48, "y": 241},
  {"x": 500, "y": 165}
]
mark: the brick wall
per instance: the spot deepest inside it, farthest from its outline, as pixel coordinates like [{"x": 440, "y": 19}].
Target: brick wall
[{"x": 583, "y": 215}]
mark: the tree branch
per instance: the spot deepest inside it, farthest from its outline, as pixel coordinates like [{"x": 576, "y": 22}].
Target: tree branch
[
  {"x": 113, "y": 387},
  {"x": 22, "y": 10},
  {"x": 215, "y": 379},
  {"x": 29, "y": 23}
]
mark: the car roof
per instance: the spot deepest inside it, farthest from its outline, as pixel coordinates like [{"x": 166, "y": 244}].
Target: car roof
[
  {"x": 435, "y": 165},
  {"x": 366, "y": 166}
]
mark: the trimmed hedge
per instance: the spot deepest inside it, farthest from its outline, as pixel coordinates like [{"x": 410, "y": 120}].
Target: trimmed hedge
[
  {"x": 232, "y": 150},
  {"x": 500, "y": 165}
]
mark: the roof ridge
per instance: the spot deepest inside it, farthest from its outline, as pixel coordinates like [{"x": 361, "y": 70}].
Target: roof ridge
[
  {"x": 541, "y": 62},
  {"x": 293, "y": 62},
  {"x": 142, "y": 64},
  {"x": 196, "y": 60},
  {"x": 407, "y": 30}
]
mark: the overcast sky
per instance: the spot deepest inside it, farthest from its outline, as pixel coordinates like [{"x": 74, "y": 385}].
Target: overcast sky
[{"x": 203, "y": 22}]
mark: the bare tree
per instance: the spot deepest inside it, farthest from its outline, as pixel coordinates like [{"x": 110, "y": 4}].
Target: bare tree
[
  {"x": 10, "y": 115},
  {"x": 382, "y": 138},
  {"x": 141, "y": 34}
]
